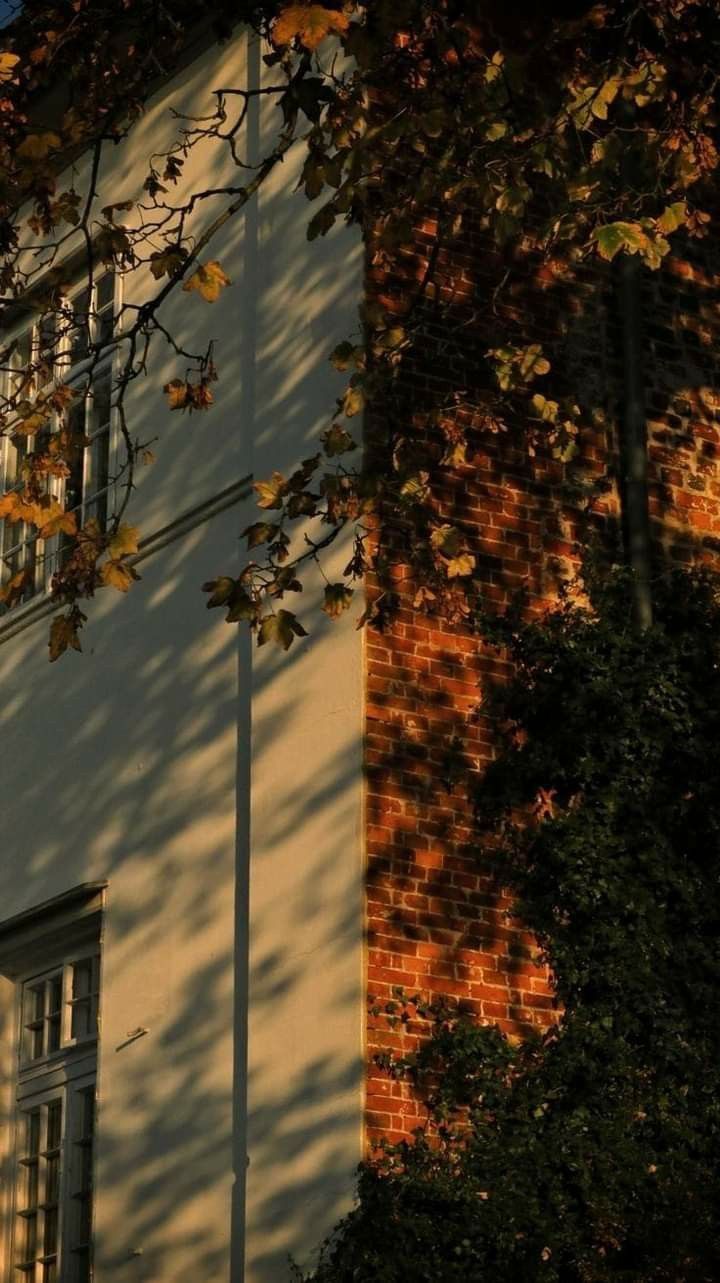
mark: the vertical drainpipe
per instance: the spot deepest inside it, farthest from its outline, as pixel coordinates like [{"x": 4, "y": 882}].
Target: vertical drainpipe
[{"x": 633, "y": 440}]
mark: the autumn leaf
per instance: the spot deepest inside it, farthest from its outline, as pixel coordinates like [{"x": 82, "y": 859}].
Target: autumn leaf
[
  {"x": 605, "y": 95},
  {"x": 177, "y": 394},
  {"x": 672, "y": 217},
  {"x": 38, "y": 146},
  {"x": 201, "y": 395},
  {"x": 336, "y": 440},
  {"x": 353, "y": 400},
  {"x": 259, "y": 532},
  {"x": 270, "y": 493},
  {"x": 208, "y": 280},
  {"x": 124, "y": 542},
  {"x": 229, "y": 592},
  {"x": 167, "y": 262},
  {"x": 309, "y": 24},
  {"x": 33, "y": 423},
  {"x": 13, "y": 590},
  {"x": 15, "y": 506},
  {"x": 220, "y": 590},
  {"x": 458, "y": 567},
  {"x": 53, "y": 520},
  {"x": 337, "y": 598},
  {"x": 64, "y": 634},
  {"x": 8, "y": 63},
  {"x": 281, "y": 628},
  {"x": 446, "y": 539},
  {"x": 117, "y": 574}
]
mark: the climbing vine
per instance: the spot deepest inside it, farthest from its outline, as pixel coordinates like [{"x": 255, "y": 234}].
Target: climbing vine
[{"x": 589, "y": 1153}]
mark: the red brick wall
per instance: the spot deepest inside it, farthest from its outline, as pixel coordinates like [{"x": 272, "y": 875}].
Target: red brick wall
[{"x": 435, "y": 921}]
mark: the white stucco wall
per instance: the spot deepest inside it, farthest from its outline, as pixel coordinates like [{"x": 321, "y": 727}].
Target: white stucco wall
[{"x": 216, "y": 787}]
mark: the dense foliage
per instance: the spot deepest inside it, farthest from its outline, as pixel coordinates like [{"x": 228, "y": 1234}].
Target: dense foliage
[
  {"x": 566, "y": 133},
  {"x": 592, "y": 1153}
]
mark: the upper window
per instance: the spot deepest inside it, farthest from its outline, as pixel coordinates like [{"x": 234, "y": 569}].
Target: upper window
[
  {"x": 50, "y": 1238},
  {"x": 57, "y": 350},
  {"x": 60, "y": 1008}
]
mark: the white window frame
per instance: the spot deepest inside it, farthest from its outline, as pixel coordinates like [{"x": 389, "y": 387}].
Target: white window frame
[
  {"x": 16, "y": 539},
  {"x": 34, "y": 947}
]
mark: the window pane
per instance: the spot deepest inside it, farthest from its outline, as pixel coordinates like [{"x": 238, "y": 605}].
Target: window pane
[
  {"x": 52, "y": 1179},
  {"x": 53, "y": 1033},
  {"x": 105, "y": 290},
  {"x": 32, "y": 1185},
  {"x": 55, "y": 995},
  {"x": 46, "y": 349},
  {"x": 78, "y": 333},
  {"x": 80, "y": 1024},
  {"x": 54, "y": 1124},
  {"x": 84, "y": 1020},
  {"x": 82, "y": 976},
  {"x": 29, "y": 1248},
  {"x": 32, "y": 1133},
  {"x": 101, "y": 399},
  {"x": 37, "y": 1002},
  {"x": 104, "y": 307},
  {"x": 51, "y": 1231}
]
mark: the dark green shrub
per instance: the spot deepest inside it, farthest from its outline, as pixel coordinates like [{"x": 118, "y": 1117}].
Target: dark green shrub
[{"x": 591, "y": 1154}]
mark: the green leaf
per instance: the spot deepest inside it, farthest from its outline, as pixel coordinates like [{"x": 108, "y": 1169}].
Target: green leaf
[
  {"x": 672, "y": 217},
  {"x": 605, "y": 95},
  {"x": 337, "y": 598},
  {"x": 259, "y": 532},
  {"x": 281, "y": 628},
  {"x": 610, "y": 239},
  {"x": 447, "y": 540},
  {"x": 342, "y": 357},
  {"x": 336, "y": 440}
]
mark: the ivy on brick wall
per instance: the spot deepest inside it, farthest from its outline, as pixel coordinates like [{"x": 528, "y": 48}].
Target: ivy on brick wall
[{"x": 588, "y": 1153}]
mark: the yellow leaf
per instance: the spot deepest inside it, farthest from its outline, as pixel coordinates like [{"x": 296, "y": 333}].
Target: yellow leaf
[
  {"x": 446, "y": 539},
  {"x": 38, "y": 146},
  {"x": 208, "y": 280},
  {"x": 270, "y": 493},
  {"x": 124, "y": 542},
  {"x": 672, "y": 217},
  {"x": 14, "y": 589},
  {"x": 605, "y": 95},
  {"x": 460, "y": 566},
  {"x": 116, "y": 574},
  {"x": 53, "y": 519},
  {"x": 8, "y": 63},
  {"x": 14, "y": 506},
  {"x": 309, "y": 24},
  {"x": 32, "y": 424}
]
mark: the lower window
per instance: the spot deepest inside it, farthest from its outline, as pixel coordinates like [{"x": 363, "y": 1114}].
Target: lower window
[
  {"x": 54, "y": 1184},
  {"x": 53, "y": 959}
]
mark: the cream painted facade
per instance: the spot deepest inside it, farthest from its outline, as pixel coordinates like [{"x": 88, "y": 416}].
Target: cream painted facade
[{"x": 215, "y": 788}]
